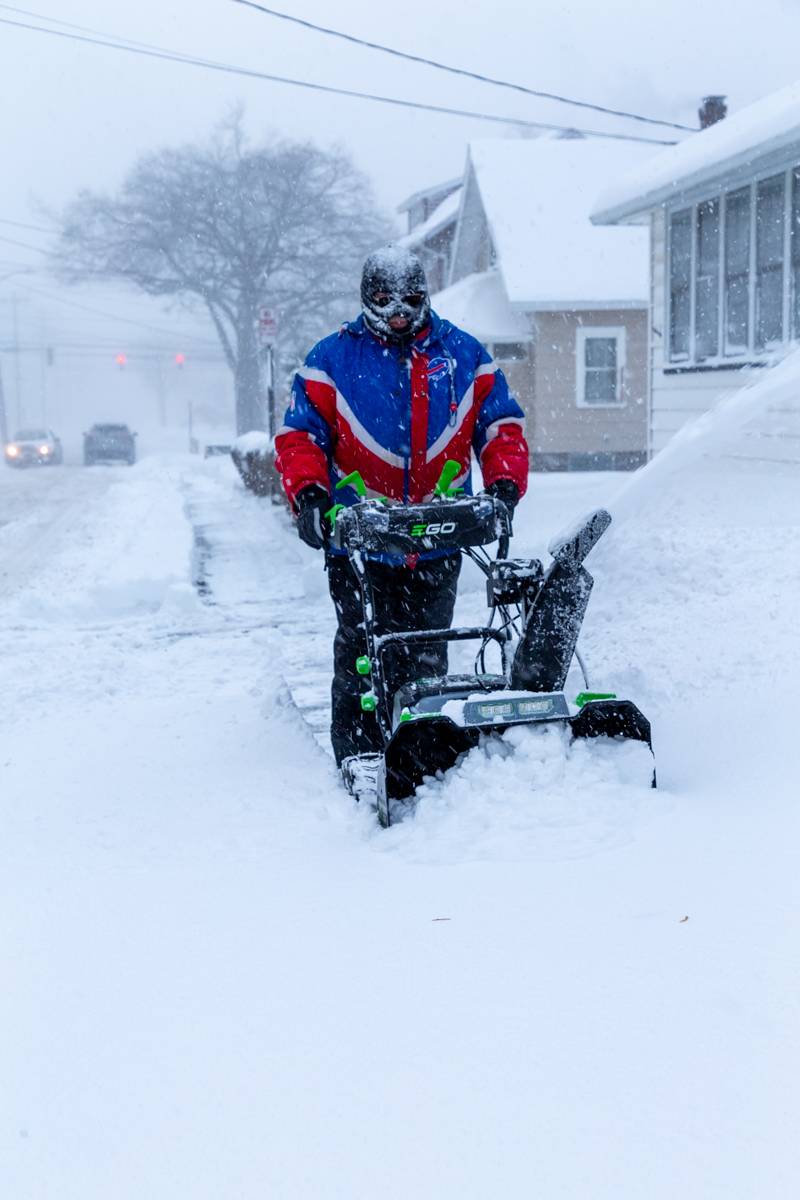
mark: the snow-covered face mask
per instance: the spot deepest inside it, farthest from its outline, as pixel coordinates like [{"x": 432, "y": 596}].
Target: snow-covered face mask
[{"x": 394, "y": 294}]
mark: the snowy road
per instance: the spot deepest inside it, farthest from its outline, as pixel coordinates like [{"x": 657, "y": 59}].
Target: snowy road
[
  {"x": 37, "y": 510},
  {"x": 223, "y": 980}
]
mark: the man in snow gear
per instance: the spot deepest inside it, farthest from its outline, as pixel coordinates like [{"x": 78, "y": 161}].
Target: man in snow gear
[{"x": 394, "y": 395}]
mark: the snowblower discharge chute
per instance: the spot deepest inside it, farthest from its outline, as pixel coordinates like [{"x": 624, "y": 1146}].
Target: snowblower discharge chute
[{"x": 429, "y": 723}]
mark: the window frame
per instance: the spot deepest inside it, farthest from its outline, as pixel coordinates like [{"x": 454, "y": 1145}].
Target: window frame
[
  {"x": 679, "y": 210},
  {"x": 790, "y": 302},
  {"x": 583, "y": 333}
]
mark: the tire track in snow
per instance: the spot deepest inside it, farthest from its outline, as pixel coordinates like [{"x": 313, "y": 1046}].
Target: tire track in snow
[
  {"x": 38, "y": 514},
  {"x": 249, "y": 568}
]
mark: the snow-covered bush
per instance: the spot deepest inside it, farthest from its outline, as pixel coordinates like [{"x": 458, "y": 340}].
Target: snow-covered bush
[{"x": 253, "y": 454}]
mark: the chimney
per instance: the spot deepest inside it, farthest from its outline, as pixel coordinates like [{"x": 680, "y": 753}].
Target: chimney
[{"x": 712, "y": 109}]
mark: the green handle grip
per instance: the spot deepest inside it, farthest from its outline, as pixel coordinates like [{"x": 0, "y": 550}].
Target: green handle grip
[
  {"x": 353, "y": 480},
  {"x": 450, "y": 471}
]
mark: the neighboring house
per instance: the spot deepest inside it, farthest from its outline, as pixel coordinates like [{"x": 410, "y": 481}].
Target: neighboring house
[
  {"x": 432, "y": 218},
  {"x": 724, "y": 212},
  {"x": 561, "y": 304}
]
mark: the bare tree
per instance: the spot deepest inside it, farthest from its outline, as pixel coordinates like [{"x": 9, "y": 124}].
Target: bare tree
[{"x": 283, "y": 226}]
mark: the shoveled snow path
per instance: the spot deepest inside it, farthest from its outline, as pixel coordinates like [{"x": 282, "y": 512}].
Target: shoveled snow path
[{"x": 225, "y": 981}]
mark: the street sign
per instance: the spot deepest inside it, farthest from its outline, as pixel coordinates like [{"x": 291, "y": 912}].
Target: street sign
[{"x": 267, "y": 324}]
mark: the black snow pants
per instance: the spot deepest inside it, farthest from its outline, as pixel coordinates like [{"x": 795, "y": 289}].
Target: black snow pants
[{"x": 421, "y": 597}]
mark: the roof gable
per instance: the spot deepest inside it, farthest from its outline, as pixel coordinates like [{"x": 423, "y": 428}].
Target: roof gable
[
  {"x": 444, "y": 213},
  {"x": 537, "y": 197},
  {"x": 429, "y": 193}
]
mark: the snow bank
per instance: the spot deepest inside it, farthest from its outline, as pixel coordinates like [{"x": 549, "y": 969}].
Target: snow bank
[
  {"x": 712, "y": 432},
  {"x": 256, "y": 441},
  {"x": 532, "y": 795},
  {"x": 124, "y": 557}
]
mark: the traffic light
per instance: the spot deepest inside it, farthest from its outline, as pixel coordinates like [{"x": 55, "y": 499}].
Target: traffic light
[
  {"x": 180, "y": 359},
  {"x": 121, "y": 360}
]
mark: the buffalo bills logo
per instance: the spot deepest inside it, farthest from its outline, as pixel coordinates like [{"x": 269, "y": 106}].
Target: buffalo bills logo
[{"x": 437, "y": 367}]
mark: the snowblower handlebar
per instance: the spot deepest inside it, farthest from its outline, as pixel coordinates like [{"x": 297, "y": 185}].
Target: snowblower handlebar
[{"x": 374, "y": 527}]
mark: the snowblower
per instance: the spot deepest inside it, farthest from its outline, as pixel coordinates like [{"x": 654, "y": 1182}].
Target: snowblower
[{"x": 429, "y": 723}]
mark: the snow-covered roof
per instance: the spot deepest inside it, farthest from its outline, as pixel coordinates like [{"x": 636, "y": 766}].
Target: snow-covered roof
[
  {"x": 537, "y": 195},
  {"x": 479, "y": 304},
  {"x": 423, "y": 193},
  {"x": 770, "y": 125},
  {"x": 442, "y": 215}
]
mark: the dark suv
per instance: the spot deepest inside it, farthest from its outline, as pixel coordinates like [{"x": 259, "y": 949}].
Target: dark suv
[{"x": 109, "y": 443}]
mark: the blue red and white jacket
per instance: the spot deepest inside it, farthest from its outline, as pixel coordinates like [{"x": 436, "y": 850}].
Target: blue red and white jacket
[{"x": 396, "y": 414}]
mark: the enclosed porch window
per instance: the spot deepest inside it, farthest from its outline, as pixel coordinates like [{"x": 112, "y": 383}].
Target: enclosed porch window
[{"x": 733, "y": 272}]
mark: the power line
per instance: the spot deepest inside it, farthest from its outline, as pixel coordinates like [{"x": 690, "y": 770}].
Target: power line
[
  {"x": 114, "y": 316},
  {"x": 24, "y": 224},
  {"x": 66, "y": 24},
  {"x": 226, "y": 68},
  {"x": 430, "y": 62},
  {"x": 23, "y": 245},
  {"x": 134, "y": 353}
]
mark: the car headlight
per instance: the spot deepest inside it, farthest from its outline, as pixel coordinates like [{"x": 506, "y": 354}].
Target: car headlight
[
  {"x": 12, "y": 451},
  {"x": 44, "y": 449}
]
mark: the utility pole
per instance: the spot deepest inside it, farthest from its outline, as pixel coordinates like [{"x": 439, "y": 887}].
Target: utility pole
[
  {"x": 267, "y": 330},
  {"x": 43, "y": 381},
  {"x": 161, "y": 386},
  {"x": 3, "y": 419},
  {"x": 270, "y": 360},
  {"x": 17, "y": 362}
]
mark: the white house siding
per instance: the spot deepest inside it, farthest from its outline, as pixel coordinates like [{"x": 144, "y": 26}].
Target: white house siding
[{"x": 677, "y": 397}]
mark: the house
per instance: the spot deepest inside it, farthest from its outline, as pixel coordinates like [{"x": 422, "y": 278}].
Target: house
[
  {"x": 432, "y": 217},
  {"x": 723, "y": 208},
  {"x": 562, "y": 304}
]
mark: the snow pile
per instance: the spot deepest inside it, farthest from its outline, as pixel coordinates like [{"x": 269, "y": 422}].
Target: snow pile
[
  {"x": 532, "y": 795},
  {"x": 126, "y": 556},
  {"x": 254, "y": 442},
  {"x": 736, "y": 417}
]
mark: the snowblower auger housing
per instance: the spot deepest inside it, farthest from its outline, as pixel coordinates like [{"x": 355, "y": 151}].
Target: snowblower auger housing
[{"x": 429, "y": 723}]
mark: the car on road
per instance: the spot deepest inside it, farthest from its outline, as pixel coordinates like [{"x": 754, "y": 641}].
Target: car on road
[
  {"x": 109, "y": 443},
  {"x": 33, "y": 448}
]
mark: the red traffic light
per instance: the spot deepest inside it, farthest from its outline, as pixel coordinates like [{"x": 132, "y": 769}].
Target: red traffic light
[
  {"x": 121, "y": 360},
  {"x": 180, "y": 359}
]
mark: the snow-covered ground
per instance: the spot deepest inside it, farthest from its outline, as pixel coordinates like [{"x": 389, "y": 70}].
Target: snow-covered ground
[{"x": 223, "y": 980}]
